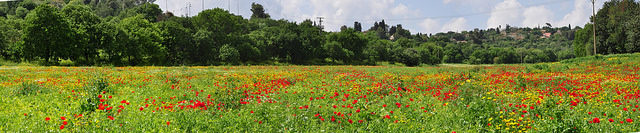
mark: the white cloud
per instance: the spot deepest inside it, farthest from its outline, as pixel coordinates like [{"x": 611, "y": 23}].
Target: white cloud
[
  {"x": 537, "y": 16},
  {"x": 580, "y": 14},
  {"x": 430, "y": 26},
  {"x": 447, "y": 1},
  {"x": 401, "y": 10},
  {"x": 456, "y": 25},
  {"x": 507, "y": 12}
]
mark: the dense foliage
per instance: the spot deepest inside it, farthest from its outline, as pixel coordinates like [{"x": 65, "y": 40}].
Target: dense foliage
[
  {"x": 136, "y": 32},
  {"x": 617, "y": 27}
]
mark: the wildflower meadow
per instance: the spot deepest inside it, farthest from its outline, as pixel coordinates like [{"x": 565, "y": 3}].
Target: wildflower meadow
[{"x": 594, "y": 94}]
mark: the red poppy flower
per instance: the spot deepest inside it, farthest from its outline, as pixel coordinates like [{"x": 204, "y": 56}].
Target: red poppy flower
[
  {"x": 123, "y": 101},
  {"x": 61, "y": 126},
  {"x": 64, "y": 123},
  {"x": 168, "y": 123},
  {"x": 629, "y": 120},
  {"x": 62, "y": 118},
  {"x": 47, "y": 119},
  {"x": 596, "y": 120},
  {"x": 141, "y": 108},
  {"x": 589, "y": 113},
  {"x": 111, "y": 117},
  {"x": 610, "y": 120},
  {"x": 384, "y": 105}
]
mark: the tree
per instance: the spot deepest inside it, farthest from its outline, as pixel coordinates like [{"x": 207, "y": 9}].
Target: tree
[
  {"x": 411, "y": 57},
  {"x": 336, "y": 52},
  {"x": 3, "y": 39},
  {"x": 633, "y": 35},
  {"x": 229, "y": 54},
  {"x": 177, "y": 40},
  {"x": 357, "y": 26},
  {"x": 453, "y": 53},
  {"x": 47, "y": 35},
  {"x": 219, "y": 21},
  {"x": 258, "y": 11},
  {"x": 612, "y": 35},
  {"x": 86, "y": 37},
  {"x": 583, "y": 41},
  {"x": 205, "y": 52},
  {"x": 143, "y": 42},
  {"x": 352, "y": 41},
  {"x": 430, "y": 53},
  {"x": 150, "y": 12},
  {"x": 21, "y": 12}
]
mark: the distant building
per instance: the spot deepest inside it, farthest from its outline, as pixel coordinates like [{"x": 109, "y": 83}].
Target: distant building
[{"x": 546, "y": 35}]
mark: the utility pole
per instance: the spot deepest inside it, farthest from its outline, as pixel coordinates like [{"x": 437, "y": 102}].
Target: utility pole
[
  {"x": 593, "y": 3},
  {"x": 320, "y": 23}
]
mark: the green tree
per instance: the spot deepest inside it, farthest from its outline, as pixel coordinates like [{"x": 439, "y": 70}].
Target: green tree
[
  {"x": 411, "y": 57},
  {"x": 148, "y": 10},
  {"x": 86, "y": 37},
  {"x": 177, "y": 41},
  {"x": 352, "y": 41},
  {"x": 453, "y": 53},
  {"x": 357, "y": 26},
  {"x": 21, "y": 12},
  {"x": 335, "y": 51},
  {"x": 229, "y": 54},
  {"x": 583, "y": 40},
  {"x": 47, "y": 35},
  {"x": 143, "y": 42},
  {"x": 3, "y": 39},
  {"x": 430, "y": 53},
  {"x": 611, "y": 32},
  {"x": 221, "y": 26},
  {"x": 205, "y": 52},
  {"x": 258, "y": 11},
  {"x": 632, "y": 44}
]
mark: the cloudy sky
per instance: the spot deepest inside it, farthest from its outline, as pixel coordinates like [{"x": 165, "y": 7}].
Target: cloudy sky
[{"x": 424, "y": 16}]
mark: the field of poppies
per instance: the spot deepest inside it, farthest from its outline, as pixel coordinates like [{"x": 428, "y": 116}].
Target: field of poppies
[{"x": 593, "y": 94}]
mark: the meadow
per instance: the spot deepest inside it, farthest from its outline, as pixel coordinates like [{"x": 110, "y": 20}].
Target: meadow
[{"x": 589, "y": 94}]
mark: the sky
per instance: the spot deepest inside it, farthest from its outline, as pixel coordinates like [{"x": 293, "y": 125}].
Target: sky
[{"x": 418, "y": 16}]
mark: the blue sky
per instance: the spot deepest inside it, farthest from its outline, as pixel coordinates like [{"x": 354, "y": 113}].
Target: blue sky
[{"x": 424, "y": 16}]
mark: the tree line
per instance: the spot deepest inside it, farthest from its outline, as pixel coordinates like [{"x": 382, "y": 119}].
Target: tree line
[
  {"x": 108, "y": 32},
  {"x": 617, "y": 27}
]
